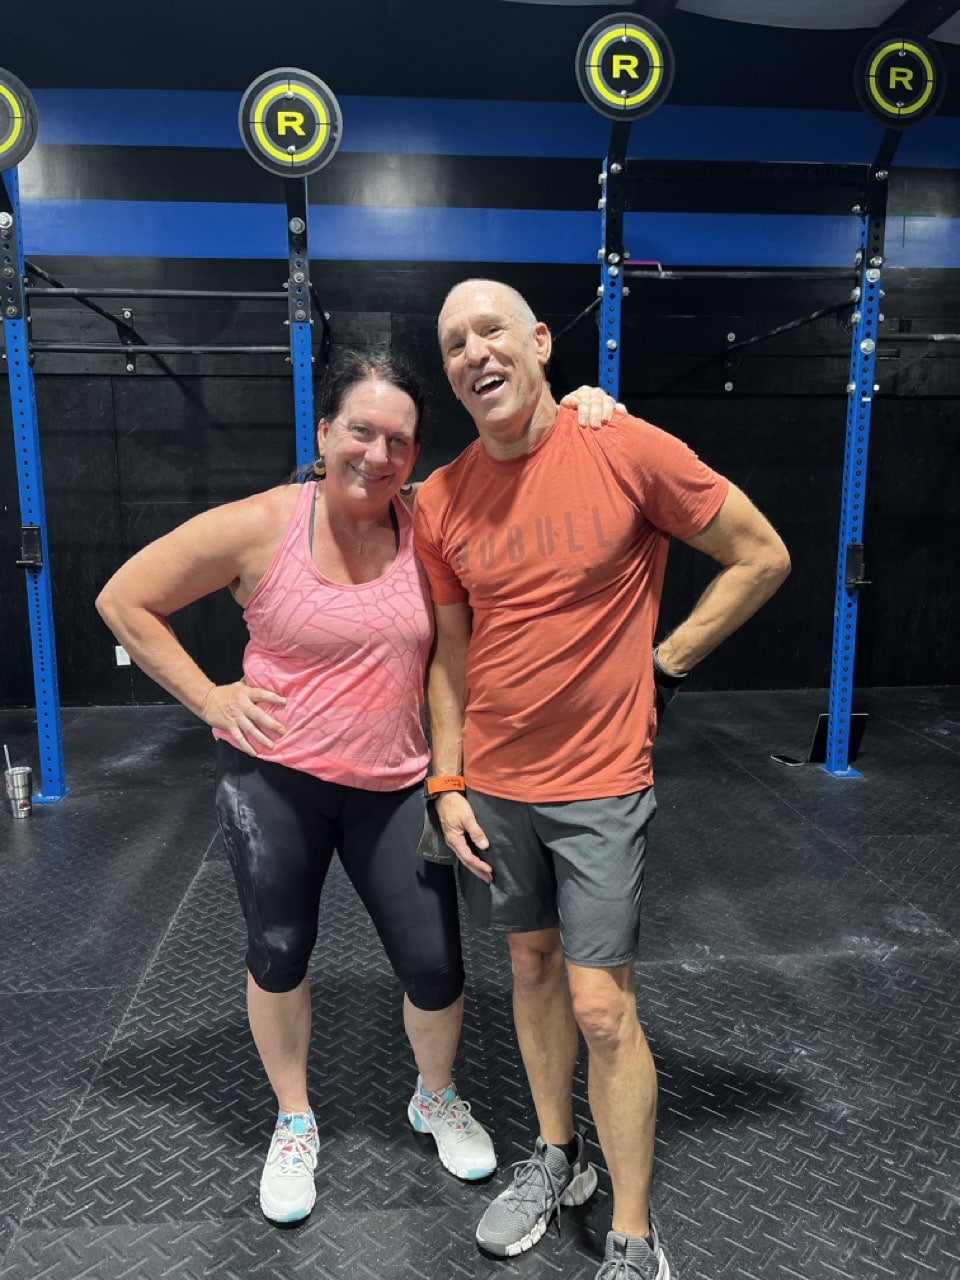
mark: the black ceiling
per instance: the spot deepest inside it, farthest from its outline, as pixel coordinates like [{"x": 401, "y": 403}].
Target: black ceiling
[{"x": 423, "y": 48}]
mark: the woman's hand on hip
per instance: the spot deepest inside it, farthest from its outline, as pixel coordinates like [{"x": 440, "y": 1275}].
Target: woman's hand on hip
[{"x": 242, "y": 711}]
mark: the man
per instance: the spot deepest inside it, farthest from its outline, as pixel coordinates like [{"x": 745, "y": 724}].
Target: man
[{"x": 546, "y": 548}]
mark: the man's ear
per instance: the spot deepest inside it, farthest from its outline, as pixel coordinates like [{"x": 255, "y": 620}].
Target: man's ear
[{"x": 544, "y": 341}]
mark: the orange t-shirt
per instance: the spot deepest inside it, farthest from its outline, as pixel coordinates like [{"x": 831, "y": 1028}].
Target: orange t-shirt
[{"x": 561, "y": 555}]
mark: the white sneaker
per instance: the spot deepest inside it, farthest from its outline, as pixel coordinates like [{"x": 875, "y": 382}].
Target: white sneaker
[
  {"x": 287, "y": 1189},
  {"x": 463, "y": 1145}
]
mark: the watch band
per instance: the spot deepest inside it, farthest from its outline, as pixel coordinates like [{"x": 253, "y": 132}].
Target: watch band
[
  {"x": 443, "y": 782},
  {"x": 666, "y": 679}
]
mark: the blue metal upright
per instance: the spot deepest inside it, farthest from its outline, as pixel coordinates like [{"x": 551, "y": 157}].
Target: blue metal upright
[
  {"x": 612, "y": 186},
  {"x": 300, "y": 320},
  {"x": 860, "y": 392},
  {"x": 290, "y": 123},
  {"x": 35, "y": 554}
]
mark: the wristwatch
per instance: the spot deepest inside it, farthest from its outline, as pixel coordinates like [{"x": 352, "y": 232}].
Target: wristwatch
[
  {"x": 662, "y": 677},
  {"x": 435, "y": 786}
]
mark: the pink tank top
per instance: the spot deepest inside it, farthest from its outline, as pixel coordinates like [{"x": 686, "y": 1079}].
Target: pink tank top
[{"x": 350, "y": 661}]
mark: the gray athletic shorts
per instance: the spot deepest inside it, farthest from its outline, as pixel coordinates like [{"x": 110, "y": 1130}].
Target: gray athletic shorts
[{"x": 576, "y": 863}]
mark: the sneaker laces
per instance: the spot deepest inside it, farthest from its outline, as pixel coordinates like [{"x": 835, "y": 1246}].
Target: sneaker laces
[
  {"x": 452, "y": 1111},
  {"x": 295, "y": 1149},
  {"x": 528, "y": 1189}
]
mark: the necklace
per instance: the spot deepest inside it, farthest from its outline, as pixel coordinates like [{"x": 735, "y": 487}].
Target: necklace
[
  {"x": 360, "y": 542},
  {"x": 363, "y": 541}
]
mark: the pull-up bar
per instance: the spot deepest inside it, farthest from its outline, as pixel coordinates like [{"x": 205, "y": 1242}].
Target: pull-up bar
[
  {"x": 39, "y": 291},
  {"x": 156, "y": 348}
]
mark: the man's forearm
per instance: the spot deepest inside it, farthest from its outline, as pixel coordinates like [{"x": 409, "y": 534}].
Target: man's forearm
[
  {"x": 447, "y": 687},
  {"x": 734, "y": 595},
  {"x": 753, "y": 563},
  {"x": 446, "y": 694}
]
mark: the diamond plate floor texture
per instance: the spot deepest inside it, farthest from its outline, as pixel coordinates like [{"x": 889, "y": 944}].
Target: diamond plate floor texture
[{"x": 799, "y": 980}]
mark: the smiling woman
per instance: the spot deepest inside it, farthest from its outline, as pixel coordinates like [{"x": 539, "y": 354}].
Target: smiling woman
[
  {"x": 369, "y": 448},
  {"x": 321, "y": 745}
]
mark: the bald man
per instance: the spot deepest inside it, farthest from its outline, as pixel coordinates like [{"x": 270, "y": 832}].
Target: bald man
[{"x": 545, "y": 547}]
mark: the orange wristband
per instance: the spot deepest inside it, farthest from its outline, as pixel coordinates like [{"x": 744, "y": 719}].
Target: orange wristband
[{"x": 443, "y": 782}]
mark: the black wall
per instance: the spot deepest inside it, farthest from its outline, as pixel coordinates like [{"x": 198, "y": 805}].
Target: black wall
[{"x": 128, "y": 455}]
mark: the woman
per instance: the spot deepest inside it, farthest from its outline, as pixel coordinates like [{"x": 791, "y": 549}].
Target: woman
[{"x": 321, "y": 745}]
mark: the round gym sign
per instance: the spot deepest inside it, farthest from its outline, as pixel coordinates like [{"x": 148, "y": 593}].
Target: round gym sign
[
  {"x": 625, "y": 66},
  {"x": 900, "y": 80},
  {"x": 290, "y": 122},
  {"x": 18, "y": 120}
]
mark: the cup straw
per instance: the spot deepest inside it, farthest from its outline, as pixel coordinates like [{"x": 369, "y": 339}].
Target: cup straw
[{"x": 6, "y": 752}]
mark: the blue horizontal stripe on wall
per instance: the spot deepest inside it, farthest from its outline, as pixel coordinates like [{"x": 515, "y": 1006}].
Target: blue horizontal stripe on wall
[
  {"x": 158, "y": 229},
  {"x": 439, "y": 126}
]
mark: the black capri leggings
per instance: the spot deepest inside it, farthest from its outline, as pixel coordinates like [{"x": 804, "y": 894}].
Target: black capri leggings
[{"x": 281, "y": 828}]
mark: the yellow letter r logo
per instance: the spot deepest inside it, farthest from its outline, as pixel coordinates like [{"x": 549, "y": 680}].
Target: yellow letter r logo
[
  {"x": 290, "y": 120},
  {"x": 625, "y": 64},
  {"x": 901, "y": 75}
]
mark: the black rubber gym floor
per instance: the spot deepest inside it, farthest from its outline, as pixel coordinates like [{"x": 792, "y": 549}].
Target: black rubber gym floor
[{"x": 799, "y": 979}]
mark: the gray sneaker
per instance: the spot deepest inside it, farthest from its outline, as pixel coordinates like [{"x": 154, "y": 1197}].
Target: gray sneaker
[
  {"x": 519, "y": 1216},
  {"x": 630, "y": 1258}
]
